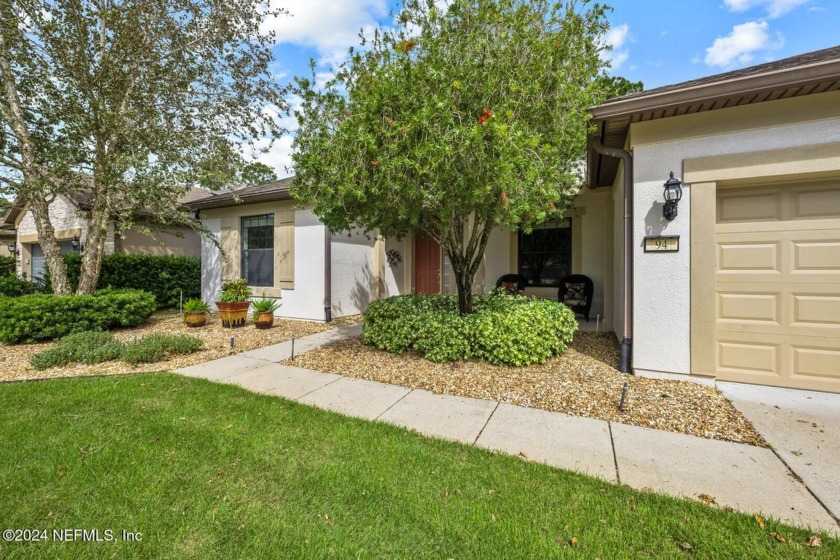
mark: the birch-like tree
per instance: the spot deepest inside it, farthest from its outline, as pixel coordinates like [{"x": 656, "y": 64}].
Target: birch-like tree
[
  {"x": 467, "y": 115},
  {"x": 131, "y": 102}
]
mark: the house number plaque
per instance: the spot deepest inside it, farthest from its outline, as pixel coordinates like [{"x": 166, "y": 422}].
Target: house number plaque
[{"x": 669, "y": 244}]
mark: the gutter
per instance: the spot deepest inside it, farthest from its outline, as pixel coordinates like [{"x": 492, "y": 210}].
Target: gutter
[
  {"x": 327, "y": 275},
  {"x": 626, "y": 346}
]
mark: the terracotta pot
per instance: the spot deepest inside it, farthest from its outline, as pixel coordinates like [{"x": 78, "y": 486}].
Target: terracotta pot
[
  {"x": 195, "y": 318},
  {"x": 264, "y": 320},
  {"x": 233, "y": 314}
]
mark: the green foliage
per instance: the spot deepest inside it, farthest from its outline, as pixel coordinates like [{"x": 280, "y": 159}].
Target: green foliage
[
  {"x": 93, "y": 347},
  {"x": 89, "y": 347},
  {"x": 12, "y": 286},
  {"x": 148, "y": 98},
  {"x": 7, "y": 266},
  {"x": 166, "y": 276},
  {"x": 474, "y": 112},
  {"x": 158, "y": 347},
  {"x": 35, "y": 317},
  {"x": 235, "y": 290},
  {"x": 196, "y": 305},
  {"x": 265, "y": 305},
  {"x": 504, "y": 329}
]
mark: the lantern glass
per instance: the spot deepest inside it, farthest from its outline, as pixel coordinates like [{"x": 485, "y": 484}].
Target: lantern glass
[{"x": 673, "y": 191}]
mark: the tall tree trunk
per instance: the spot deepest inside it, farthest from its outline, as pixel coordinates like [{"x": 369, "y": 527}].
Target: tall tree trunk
[
  {"x": 94, "y": 249},
  {"x": 52, "y": 253}
]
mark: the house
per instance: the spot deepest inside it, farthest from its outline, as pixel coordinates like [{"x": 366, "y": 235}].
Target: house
[
  {"x": 744, "y": 283},
  {"x": 71, "y": 233}
]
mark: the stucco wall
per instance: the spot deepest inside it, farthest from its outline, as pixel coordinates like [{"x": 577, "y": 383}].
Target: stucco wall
[
  {"x": 353, "y": 272},
  {"x": 662, "y": 288},
  {"x": 211, "y": 263},
  {"x": 188, "y": 245},
  {"x": 396, "y": 276}
]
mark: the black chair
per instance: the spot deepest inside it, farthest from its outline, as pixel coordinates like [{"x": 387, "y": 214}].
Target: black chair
[
  {"x": 576, "y": 293},
  {"x": 512, "y": 283}
]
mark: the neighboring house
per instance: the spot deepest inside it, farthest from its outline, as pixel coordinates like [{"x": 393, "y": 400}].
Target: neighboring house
[
  {"x": 753, "y": 293},
  {"x": 71, "y": 233}
]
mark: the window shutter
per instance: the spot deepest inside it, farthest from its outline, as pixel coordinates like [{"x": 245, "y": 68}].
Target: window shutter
[{"x": 284, "y": 247}]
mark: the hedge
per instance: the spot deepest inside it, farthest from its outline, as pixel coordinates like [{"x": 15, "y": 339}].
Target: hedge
[
  {"x": 165, "y": 276},
  {"x": 35, "y": 317},
  {"x": 7, "y": 266},
  {"x": 505, "y": 329}
]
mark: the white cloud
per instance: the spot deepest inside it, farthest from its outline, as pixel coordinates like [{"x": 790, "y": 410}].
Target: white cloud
[
  {"x": 740, "y": 46},
  {"x": 328, "y": 26},
  {"x": 616, "y": 37},
  {"x": 775, "y": 8}
]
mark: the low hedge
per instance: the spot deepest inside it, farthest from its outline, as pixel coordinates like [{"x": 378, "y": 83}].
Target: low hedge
[
  {"x": 13, "y": 286},
  {"x": 505, "y": 329},
  {"x": 35, "y": 317},
  {"x": 166, "y": 276}
]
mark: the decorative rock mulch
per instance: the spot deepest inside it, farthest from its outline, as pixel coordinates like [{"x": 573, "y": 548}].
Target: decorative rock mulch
[
  {"x": 14, "y": 359},
  {"x": 582, "y": 382}
]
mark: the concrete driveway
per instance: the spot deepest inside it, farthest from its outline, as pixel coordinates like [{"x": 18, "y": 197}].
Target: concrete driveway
[{"x": 802, "y": 428}]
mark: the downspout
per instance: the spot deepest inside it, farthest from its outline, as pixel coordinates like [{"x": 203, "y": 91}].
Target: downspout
[
  {"x": 327, "y": 275},
  {"x": 626, "y": 347}
]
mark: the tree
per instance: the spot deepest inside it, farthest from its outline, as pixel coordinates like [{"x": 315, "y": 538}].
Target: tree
[
  {"x": 127, "y": 100},
  {"x": 461, "y": 119}
]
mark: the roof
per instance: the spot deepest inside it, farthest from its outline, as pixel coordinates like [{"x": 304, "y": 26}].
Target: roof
[
  {"x": 80, "y": 199},
  {"x": 268, "y": 192},
  {"x": 804, "y": 74}
]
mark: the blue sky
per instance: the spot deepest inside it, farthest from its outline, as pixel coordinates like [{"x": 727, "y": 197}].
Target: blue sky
[{"x": 658, "y": 42}]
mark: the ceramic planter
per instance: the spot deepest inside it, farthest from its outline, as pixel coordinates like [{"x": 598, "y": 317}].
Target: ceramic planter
[
  {"x": 233, "y": 314},
  {"x": 265, "y": 320},
  {"x": 195, "y": 318}
]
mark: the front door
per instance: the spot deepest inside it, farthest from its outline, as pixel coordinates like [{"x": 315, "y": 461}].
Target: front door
[{"x": 426, "y": 265}]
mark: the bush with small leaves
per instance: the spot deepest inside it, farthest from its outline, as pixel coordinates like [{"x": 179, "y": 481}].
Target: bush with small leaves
[
  {"x": 505, "y": 329},
  {"x": 89, "y": 347},
  {"x": 158, "y": 347}
]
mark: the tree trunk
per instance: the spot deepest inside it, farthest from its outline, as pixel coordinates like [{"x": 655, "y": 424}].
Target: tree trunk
[
  {"x": 94, "y": 248},
  {"x": 466, "y": 258},
  {"x": 52, "y": 253}
]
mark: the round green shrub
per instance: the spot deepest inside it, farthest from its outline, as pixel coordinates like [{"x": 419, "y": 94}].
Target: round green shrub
[{"x": 505, "y": 329}]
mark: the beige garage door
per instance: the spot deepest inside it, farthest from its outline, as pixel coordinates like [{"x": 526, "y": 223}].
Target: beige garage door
[{"x": 777, "y": 285}]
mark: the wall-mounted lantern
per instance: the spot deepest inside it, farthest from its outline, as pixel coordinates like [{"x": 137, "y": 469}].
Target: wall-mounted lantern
[
  {"x": 673, "y": 194},
  {"x": 75, "y": 242},
  {"x": 12, "y": 248}
]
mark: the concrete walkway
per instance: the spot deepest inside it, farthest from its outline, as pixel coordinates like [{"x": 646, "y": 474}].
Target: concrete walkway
[{"x": 746, "y": 478}]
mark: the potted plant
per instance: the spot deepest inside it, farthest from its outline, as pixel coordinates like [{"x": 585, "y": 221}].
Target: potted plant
[
  {"x": 195, "y": 312},
  {"x": 233, "y": 304},
  {"x": 263, "y": 314}
]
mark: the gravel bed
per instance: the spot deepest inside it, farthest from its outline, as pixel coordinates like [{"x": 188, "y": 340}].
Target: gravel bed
[
  {"x": 582, "y": 382},
  {"x": 14, "y": 359}
]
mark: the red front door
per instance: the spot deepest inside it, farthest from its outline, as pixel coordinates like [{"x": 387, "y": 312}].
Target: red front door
[{"x": 426, "y": 265}]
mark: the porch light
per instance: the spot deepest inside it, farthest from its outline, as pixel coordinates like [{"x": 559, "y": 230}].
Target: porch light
[
  {"x": 75, "y": 241},
  {"x": 673, "y": 194},
  {"x": 12, "y": 248}
]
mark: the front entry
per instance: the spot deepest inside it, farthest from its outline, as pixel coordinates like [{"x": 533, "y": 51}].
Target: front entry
[{"x": 426, "y": 265}]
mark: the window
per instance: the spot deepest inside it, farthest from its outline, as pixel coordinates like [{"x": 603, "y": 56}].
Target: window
[
  {"x": 258, "y": 250},
  {"x": 545, "y": 254}
]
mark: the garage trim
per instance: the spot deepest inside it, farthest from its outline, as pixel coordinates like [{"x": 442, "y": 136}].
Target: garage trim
[{"x": 704, "y": 176}]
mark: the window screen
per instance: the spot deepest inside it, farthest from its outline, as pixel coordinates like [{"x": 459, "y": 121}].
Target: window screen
[{"x": 258, "y": 250}]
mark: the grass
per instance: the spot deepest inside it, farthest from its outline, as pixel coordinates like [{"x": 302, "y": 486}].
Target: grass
[{"x": 212, "y": 471}]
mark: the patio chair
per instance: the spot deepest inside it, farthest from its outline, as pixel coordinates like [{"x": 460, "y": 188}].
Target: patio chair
[
  {"x": 576, "y": 293},
  {"x": 512, "y": 283}
]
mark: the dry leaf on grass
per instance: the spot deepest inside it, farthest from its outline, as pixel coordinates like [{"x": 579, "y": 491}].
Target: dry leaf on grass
[
  {"x": 777, "y": 536},
  {"x": 814, "y": 541},
  {"x": 686, "y": 546},
  {"x": 760, "y": 521}
]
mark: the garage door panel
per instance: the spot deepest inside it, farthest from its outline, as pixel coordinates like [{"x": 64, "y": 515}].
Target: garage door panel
[{"x": 777, "y": 284}]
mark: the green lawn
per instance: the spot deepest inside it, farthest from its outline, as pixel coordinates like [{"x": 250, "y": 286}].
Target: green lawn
[{"x": 211, "y": 471}]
